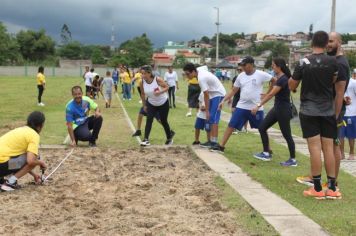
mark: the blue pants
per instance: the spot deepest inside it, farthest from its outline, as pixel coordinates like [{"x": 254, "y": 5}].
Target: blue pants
[{"x": 127, "y": 91}]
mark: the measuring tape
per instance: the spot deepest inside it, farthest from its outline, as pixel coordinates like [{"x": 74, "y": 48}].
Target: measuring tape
[{"x": 43, "y": 178}]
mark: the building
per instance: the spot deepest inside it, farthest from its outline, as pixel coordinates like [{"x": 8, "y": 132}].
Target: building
[
  {"x": 190, "y": 56},
  {"x": 171, "y": 48},
  {"x": 162, "y": 59},
  {"x": 349, "y": 47}
]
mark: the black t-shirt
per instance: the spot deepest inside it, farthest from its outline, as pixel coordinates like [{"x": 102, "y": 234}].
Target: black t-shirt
[
  {"x": 237, "y": 95},
  {"x": 317, "y": 72},
  {"x": 282, "y": 98},
  {"x": 343, "y": 74}
]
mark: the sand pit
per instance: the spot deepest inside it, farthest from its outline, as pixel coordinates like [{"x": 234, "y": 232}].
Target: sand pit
[{"x": 112, "y": 192}]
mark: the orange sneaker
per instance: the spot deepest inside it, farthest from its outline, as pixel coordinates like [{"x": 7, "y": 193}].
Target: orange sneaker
[
  {"x": 312, "y": 193},
  {"x": 330, "y": 194}
]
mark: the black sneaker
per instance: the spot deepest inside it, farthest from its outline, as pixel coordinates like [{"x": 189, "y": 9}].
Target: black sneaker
[
  {"x": 92, "y": 144},
  {"x": 9, "y": 187},
  {"x": 2, "y": 180},
  {"x": 172, "y": 134},
  {"x": 169, "y": 141},
  {"x": 196, "y": 143},
  {"x": 205, "y": 145},
  {"x": 145, "y": 142},
  {"x": 137, "y": 133},
  {"x": 217, "y": 148}
]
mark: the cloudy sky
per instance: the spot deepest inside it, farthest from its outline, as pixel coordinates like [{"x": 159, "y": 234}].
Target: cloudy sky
[{"x": 177, "y": 20}]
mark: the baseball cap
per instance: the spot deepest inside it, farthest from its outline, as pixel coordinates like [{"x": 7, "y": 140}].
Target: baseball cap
[{"x": 247, "y": 60}]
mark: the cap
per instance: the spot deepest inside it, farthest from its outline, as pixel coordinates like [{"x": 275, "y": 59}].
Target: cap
[{"x": 247, "y": 60}]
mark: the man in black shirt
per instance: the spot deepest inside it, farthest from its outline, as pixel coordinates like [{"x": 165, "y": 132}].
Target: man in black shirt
[
  {"x": 317, "y": 113},
  {"x": 342, "y": 81}
]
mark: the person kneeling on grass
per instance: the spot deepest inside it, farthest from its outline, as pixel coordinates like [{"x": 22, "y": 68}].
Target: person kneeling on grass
[
  {"x": 200, "y": 122},
  {"x": 19, "y": 152},
  {"x": 78, "y": 122}
]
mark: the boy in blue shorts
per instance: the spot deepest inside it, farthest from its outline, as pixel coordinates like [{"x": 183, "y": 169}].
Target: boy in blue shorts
[{"x": 200, "y": 122}]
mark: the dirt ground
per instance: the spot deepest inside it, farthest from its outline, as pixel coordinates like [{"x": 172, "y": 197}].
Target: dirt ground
[{"x": 111, "y": 192}]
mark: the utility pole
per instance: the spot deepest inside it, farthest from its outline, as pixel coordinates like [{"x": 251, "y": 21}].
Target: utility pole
[
  {"x": 112, "y": 47},
  {"x": 217, "y": 36},
  {"x": 333, "y": 13}
]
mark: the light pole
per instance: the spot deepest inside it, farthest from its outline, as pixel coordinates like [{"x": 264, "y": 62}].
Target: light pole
[
  {"x": 333, "y": 13},
  {"x": 217, "y": 37}
]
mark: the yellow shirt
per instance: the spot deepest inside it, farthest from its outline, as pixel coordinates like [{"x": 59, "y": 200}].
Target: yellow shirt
[
  {"x": 138, "y": 77},
  {"x": 193, "y": 81},
  {"x": 41, "y": 79},
  {"x": 125, "y": 78},
  {"x": 18, "y": 141}
]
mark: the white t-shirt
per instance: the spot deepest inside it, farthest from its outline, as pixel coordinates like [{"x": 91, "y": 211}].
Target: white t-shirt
[
  {"x": 108, "y": 82},
  {"x": 351, "y": 92},
  {"x": 171, "y": 78},
  {"x": 209, "y": 82},
  {"x": 88, "y": 78},
  {"x": 201, "y": 114},
  {"x": 150, "y": 89},
  {"x": 251, "y": 87}
]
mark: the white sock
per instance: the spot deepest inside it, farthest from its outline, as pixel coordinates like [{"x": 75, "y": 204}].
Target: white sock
[
  {"x": 266, "y": 153},
  {"x": 214, "y": 139},
  {"x": 12, "y": 179}
]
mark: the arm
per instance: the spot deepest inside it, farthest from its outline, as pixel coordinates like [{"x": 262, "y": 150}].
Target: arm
[
  {"x": 206, "y": 102},
  {"x": 33, "y": 161},
  {"x": 293, "y": 84},
  {"x": 339, "y": 98},
  {"x": 71, "y": 133},
  {"x": 266, "y": 98},
  {"x": 163, "y": 85},
  {"x": 228, "y": 96}
]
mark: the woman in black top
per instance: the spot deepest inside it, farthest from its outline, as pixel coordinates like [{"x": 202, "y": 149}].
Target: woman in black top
[{"x": 280, "y": 112}]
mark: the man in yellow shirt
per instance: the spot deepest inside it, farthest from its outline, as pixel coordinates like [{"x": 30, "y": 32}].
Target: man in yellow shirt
[
  {"x": 126, "y": 81},
  {"x": 19, "y": 152},
  {"x": 41, "y": 85}
]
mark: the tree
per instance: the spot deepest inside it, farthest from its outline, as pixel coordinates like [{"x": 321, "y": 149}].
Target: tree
[
  {"x": 205, "y": 39},
  {"x": 310, "y": 34},
  {"x": 72, "y": 50},
  {"x": 35, "y": 46},
  {"x": 351, "y": 57},
  {"x": 66, "y": 35},
  {"x": 179, "y": 61},
  {"x": 9, "y": 49},
  {"x": 97, "y": 56},
  {"x": 138, "y": 51}
]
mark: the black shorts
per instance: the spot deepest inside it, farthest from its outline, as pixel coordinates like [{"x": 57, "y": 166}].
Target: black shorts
[
  {"x": 88, "y": 89},
  {"x": 325, "y": 126},
  {"x": 13, "y": 165}
]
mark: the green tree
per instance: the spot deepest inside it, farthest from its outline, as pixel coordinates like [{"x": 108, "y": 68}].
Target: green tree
[
  {"x": 179, "y": 61},
  {"x": 72, "y": 50},
  {"x": 35, "y": 46},
  {"x": 205, "y": 39},
  {"x": 97, "y": 56},
  {"x": 351, "y": 57},
  {"x": 137, "y": 51},
  {"x": 348, "y": 37},
  {"x": 66, "y": 35},
  {"x": 9, "y": 49}
]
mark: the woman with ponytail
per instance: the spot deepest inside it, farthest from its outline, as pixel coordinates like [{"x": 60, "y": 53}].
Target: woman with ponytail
[{"x": 281, "y": 111}]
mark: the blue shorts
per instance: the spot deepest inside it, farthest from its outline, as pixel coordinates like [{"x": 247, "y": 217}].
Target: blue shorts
[
  {"x": 116, "y": 81},
  {"x": 240, "y": 116},
  {"x": 142, "y": 112},
  {"x": 214, "y": 111},
  {"x": 202, "y": 124},
  {"x": 350, "y": 130}
]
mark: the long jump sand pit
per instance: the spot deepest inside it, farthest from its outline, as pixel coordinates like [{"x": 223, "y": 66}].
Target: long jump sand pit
[{"x": 120, "y": 192}]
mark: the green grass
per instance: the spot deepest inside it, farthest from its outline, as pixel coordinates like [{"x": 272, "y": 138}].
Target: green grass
[{"x": 280, "y": 180}]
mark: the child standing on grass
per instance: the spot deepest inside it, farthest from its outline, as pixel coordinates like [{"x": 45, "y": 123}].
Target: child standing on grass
[
  {"x": 200, "y": 122},
  {"x": 108, "y": 83}
]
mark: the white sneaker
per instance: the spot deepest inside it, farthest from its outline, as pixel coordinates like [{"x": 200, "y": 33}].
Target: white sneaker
[
  {"x": 188, "y": 114},
  {"x": 145, "y": 142},
  {"x": 41, "y": 104}
]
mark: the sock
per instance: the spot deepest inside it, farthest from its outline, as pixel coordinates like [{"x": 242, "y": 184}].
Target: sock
[
  {"x": 317, "y": 183},
  {"x": 266, "y": 153},
  {"x": 214, "y": 139},
  {"x": 12, "y": 179},
  {"x": 331, "y": 183}
]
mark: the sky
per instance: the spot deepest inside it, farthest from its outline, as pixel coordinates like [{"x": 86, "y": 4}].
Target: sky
[{"x": 90, "y": 22}]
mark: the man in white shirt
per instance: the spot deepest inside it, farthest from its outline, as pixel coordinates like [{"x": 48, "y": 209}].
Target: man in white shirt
[
  {"x": 250, "y": 82},
  {"x": 88, "y": 79},
  {"x": 350, "y": 118},
  {"x": 214, "y": 92},
  {"x": 171, "y": 79}
]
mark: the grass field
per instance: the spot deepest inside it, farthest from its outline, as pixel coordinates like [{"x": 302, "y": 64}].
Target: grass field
[{"x": 337, "y": 217}]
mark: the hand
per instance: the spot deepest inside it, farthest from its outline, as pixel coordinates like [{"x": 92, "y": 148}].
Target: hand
[
  {"x": 220, "y": 105},
  {"x": 229, "y": 101},
  {"x": 42, "y": 165},
  {"x": 73, "y": 144},
  {"x": 254, "y": 110},
  {"x": 145, "y": 108},
  {"x": 202, "y": 108},
  {"x": 157, "y": 93},
  {"x": 37, "y": 179},
  {"x": 262, "y": 96},
  {"x": 347, "y": 100}
]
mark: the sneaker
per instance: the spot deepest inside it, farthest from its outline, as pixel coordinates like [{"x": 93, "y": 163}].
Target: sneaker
[
  {"x": 189, "y": 114},
  {"x": 2, "y": 180},
  {"x": 145, "y": 142},
  {"x": 137, "y": 133},
  {"x": 9, "y": 187},
  {"x": 235, "y": 131},
  {"x": 205, "y": 145},
  {"x": 92, "y": 144},
  {"x": 305, "y": 180},
  {"x": 169, "y": 141},
  {"x": 289, "y": 162},
  {"x": 172, "y": 134},
  {"x": 196, "y": 143},
  {"x": 330, "y": 194},
  {"x": 217, "y": 148},
  {"x": 312, "y": 193},
  {"x": 41, "y": 104},
  {"x": 263, "y": 157},
  {"x": 325, "y": 186}
]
